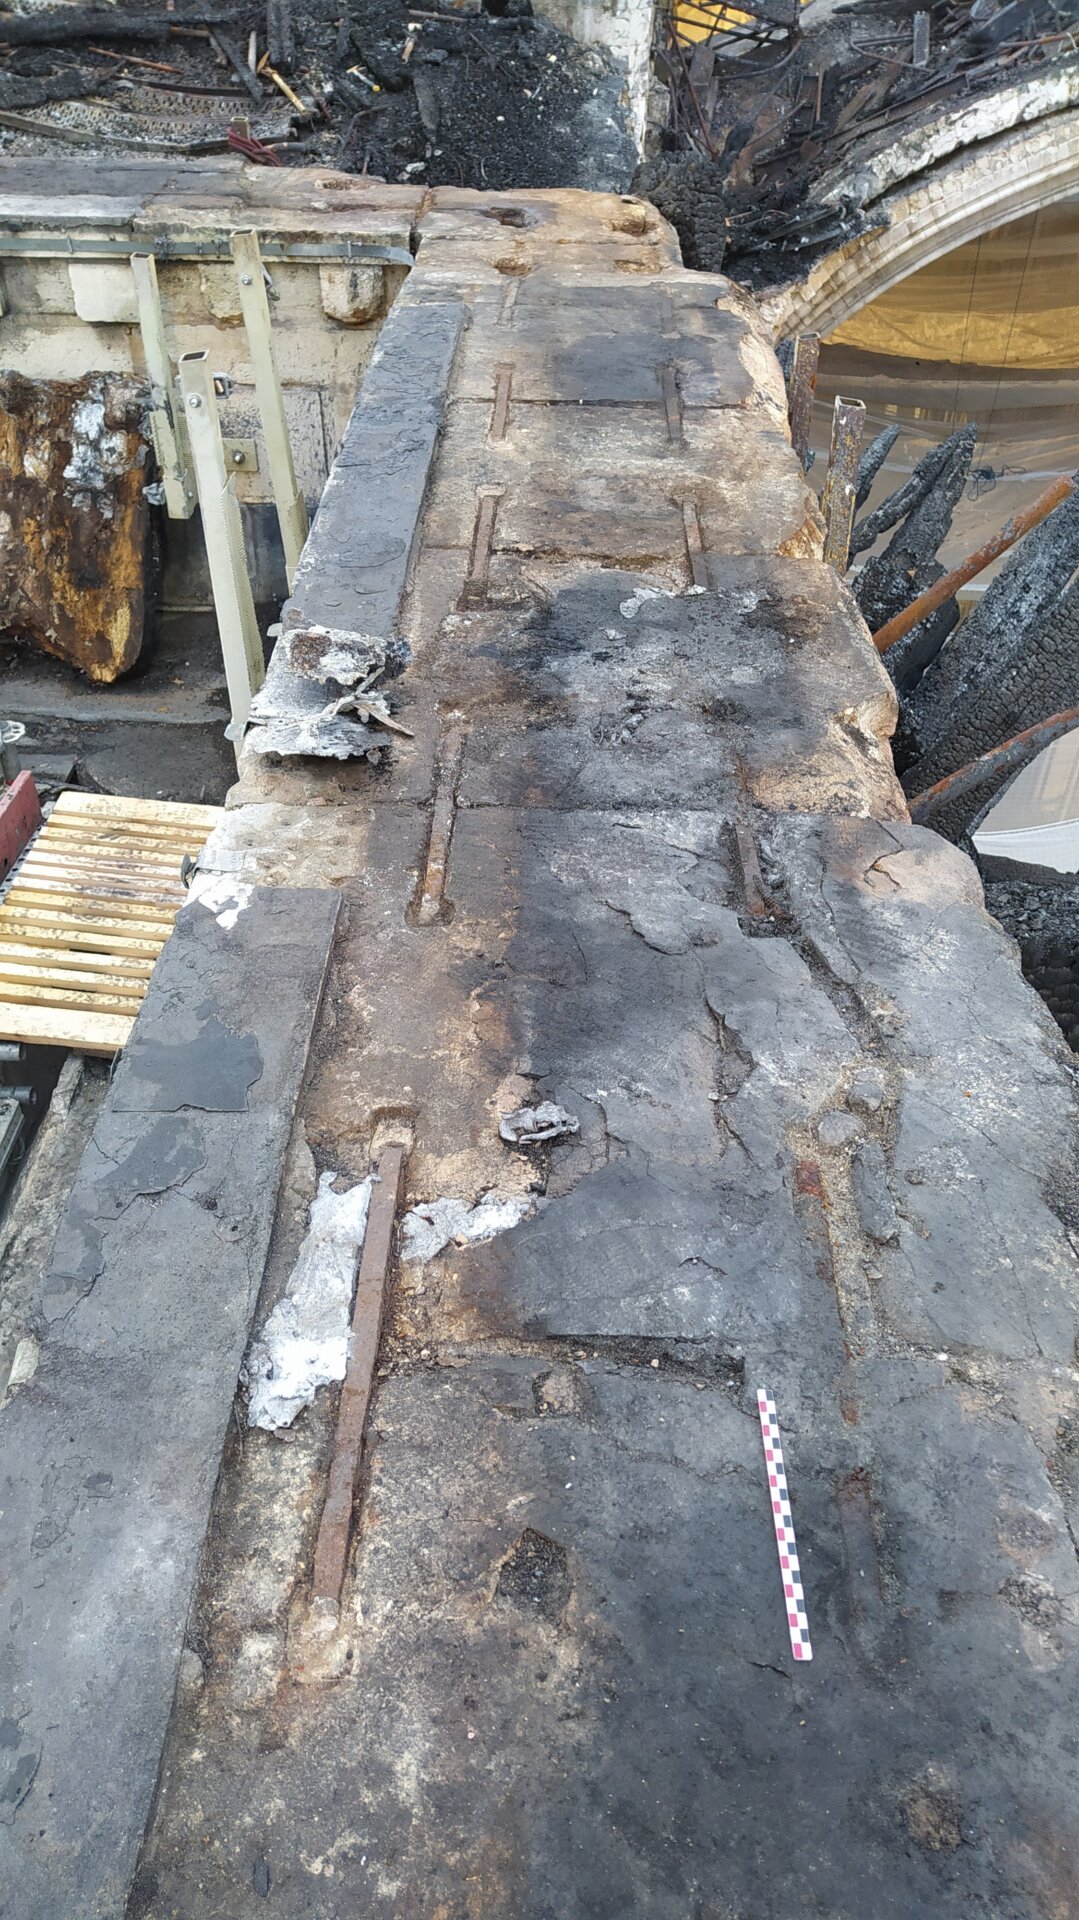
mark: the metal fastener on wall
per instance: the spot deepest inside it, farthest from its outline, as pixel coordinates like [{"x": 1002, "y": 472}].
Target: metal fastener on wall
[
  {"x": 241, "y": 642},
  {"x": 837, "y": 499},
  {"x": 291, "y": 511},
  {"x": 166, "y": 419}
]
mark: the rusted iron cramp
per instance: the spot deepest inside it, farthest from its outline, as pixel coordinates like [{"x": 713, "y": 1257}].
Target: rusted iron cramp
[{"x": 74, "y": 521}]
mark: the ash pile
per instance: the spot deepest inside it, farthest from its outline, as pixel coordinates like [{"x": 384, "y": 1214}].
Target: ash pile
[
  {"x": 756, "y": 162},
  {"x": 488, "y": 96}
]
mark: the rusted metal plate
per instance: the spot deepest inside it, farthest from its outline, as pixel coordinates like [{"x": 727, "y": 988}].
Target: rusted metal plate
[{"x": 74, "y": 522}]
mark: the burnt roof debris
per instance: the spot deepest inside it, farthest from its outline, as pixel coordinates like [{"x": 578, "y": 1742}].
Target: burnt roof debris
[
  {"x": 490, "y": 96},
  {"x": 751, "y": 138}
]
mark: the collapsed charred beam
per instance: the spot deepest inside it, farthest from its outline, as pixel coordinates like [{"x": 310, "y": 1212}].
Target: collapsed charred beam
[
  {"x": 930, "y": 470},
  {"x": 1012, "y": 661},
  {"x": 956, "y": 806},
  {"x": 56, "y": 26},
  {"x": 871, "y": 463},
  {"x": 891, "y": 580},
  {"x": 1040, "y": 909}
]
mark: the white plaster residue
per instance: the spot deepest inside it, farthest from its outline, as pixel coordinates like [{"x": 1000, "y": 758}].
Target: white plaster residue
[
  {"x": 629, "y": 609},
  {"x": 223, "y": 896},
  {"x": 96, "y": 455},
  {"x": 429, "y": 1227},
  {"x": 304, "y": 1343}
]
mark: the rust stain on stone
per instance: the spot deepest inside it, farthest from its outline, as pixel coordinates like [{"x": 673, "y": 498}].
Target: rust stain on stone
[{"x": 74, "y": 522}]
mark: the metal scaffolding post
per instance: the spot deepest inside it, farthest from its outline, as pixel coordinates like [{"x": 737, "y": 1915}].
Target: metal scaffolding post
[
  {"x": 241, "y": 642},
  {"x": 837, "y": 500},
  {"x": 166, "y": 418},
  {"x": 291, "y": 511}
]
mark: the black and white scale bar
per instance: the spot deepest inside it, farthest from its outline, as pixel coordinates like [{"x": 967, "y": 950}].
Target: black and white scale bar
[{"x": 797, "y": 1618}]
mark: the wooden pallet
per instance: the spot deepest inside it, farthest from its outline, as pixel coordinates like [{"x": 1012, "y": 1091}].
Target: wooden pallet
[{"x": 88, "y": 910}]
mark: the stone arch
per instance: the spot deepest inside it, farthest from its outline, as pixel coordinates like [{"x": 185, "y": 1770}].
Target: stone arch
[{"x": 981, "y": 186}]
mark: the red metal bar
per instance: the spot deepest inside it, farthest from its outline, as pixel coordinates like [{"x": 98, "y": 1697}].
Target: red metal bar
[
  {"x": 935, "y": 596},
  {"x": 335, "y": 1526},
  {"x": 1010, "y": 753}
]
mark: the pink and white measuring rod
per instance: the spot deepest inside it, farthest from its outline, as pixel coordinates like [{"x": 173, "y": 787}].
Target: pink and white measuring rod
[{"x": 797, "y": 1618}]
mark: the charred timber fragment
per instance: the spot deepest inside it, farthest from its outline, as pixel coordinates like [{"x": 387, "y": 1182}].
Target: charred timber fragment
[
  {"x": 908, "y": 565},
  {"x": 801, "y": 385},
  {"x": 928, "y": 473},
  {"x": 1040, "y": 909},
  {"x": 279, "y": 34},
  {"x": 992, "y": 549},
  {"x": 75, "y": 541},
  {"x": 1012, "y": 662},
  {"x": 956, "y": 805},
  {"x": 55, "y": 26},
  {"x": 871, "y": 463}
]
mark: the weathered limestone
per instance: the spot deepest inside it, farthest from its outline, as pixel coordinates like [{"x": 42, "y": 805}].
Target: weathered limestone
[{"x": 677, "y": 894}]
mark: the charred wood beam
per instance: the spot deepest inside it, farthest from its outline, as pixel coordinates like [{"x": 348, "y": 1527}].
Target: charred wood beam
[
  {"x": 1015, "y": 657},
  {"x": 240, "y": 68},
  {"x": 975, "y": 563},
  {"x": 957, "y": 804},
  {"x": 871, "y": 463},
  {"x": 837, "y": 498},
  {"x": 279, "y": 34},
  {"x": 903, "y": 501},
  {"x": 62, "y": 24},
  {"x": 908, "y": 564},
  {"x": 805, "y": 354}
]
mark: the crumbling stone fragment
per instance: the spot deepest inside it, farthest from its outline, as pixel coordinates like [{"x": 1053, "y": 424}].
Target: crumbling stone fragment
[{"x": 75, "y": 550}]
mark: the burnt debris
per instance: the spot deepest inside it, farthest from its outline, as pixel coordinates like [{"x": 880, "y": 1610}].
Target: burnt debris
[
  {"x": 486, "y": 96},
  {"x": 760, "y": 116}
]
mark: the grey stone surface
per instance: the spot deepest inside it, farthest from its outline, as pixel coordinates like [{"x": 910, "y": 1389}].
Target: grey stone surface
[
  {"x": 586, "y": 1704},
  {"x": 681, "y": 902},
  {"x": 872, "y": 1196},
  {"x": 111, "y": 1451},
  {"x": 352, "y": 572}
]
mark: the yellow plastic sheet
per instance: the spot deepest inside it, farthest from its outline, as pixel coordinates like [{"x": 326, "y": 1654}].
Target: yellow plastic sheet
[{"x": 1010, "y": 299}]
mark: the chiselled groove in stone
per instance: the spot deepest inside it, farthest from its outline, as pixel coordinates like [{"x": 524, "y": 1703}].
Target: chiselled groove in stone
[
  {"x": 474, "y": 592},
  {"x": 672, "y": 406},
  {"x": 752, "y": 880},
  {"x": 501, "y": 412},
  {"x": 509, "y": 302},
  {"x": 698, "y": 564},
  {"x": 432, "y": 904}
]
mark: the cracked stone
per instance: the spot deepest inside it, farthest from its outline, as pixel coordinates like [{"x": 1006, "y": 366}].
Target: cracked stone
[
  {"x": 867, "y": 1092},
  {"x": 872, "y": 1197}
]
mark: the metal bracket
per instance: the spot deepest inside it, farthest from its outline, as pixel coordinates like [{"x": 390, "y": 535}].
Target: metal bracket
[
  {"x": 241, "y": 642},
  {"x": 291, "y": 511},
  {"x": 241, "y": 456},
  {"x": 167, "y": 422}
]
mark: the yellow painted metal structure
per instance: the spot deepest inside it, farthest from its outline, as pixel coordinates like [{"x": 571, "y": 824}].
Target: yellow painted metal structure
[{"x": 696, "y": 20}]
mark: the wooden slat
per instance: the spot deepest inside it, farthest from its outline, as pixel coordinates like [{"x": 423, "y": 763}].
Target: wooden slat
[
  {"x": 22, "y": 993},
  {"x": 56, "y": 865},
  {"x": 85, "y": 918},
  {"x": 20, "y": 954},
  {"x": 70, "y": 930},
  {"x": 111, "y": 806},
  {"x": 113, "y": 906},
  {"x": 80, "y": 831},
  {"x": 56, "y": 847},
  {"x": 67, "y": 981},
  {"x": 67, "y": 1027}
]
